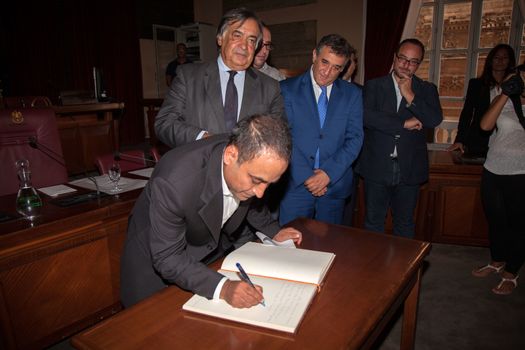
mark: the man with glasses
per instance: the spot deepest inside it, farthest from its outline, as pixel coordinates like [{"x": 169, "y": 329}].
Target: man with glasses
[
  {"x": 209, "y": 98},
  {"x": 325, "y": 118},
  {"x": 262, "y": 55},
  {"x": 394, "y": 163}
]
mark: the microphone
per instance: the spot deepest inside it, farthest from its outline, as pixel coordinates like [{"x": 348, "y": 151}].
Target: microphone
[
  {"x": 33, "y": 142},
  {"x": 92, "y": 179},
  {"x": 119, "y": 155}
]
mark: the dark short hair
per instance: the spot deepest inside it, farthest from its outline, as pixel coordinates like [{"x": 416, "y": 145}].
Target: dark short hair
[
  {"x": 337, "y": 45},
  {"x": 412, "y": 41},
  {"x": 259, "y": 133},
  {"x": 240, "y": 14},
  {"x": 486, "y": 75}
]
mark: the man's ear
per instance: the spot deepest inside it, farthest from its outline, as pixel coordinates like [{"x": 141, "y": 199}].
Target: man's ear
[
  {"x": 231, "y": 154},
  {"x": 219, "y": 40},
  {"x": 314, "y": 55}
]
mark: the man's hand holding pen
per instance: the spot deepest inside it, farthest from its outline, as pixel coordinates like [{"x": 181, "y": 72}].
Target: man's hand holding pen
[{"x": 240, "y": 294}]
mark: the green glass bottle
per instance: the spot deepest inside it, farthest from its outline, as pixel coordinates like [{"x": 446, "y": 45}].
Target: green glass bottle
[{"x": 28, "y": 202}]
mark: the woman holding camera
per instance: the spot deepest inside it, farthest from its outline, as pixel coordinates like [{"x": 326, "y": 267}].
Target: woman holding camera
[
  {"x": 471, "y": 139},
  {"x": 503, "y": 182}
]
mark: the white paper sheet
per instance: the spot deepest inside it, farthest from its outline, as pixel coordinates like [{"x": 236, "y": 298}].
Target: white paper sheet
[
  {"x": 146, "y": 172},
  {"x": 268, "y": 241},
  {"x": 56, "y": 190},
  {"x": 105, "y": 185}
]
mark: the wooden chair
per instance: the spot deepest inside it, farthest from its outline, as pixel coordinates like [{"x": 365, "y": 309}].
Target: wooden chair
[{"x": 27, "y": 101}]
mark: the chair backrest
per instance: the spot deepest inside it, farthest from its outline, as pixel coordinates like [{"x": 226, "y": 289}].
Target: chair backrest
[
  {"x": 32, "y": 134},
  {"x": 129, "y": 160},
  {"x": 27, "y": 101}
]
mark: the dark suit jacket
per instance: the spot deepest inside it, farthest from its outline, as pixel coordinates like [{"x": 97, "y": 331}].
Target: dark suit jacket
[
  {"x": 383, "y": 122},
  {"x": 339, "y": 141},
  {"x": 470, "y": 134},
  {"x": 175, "y": 226},
  {"x": 194, "y": 102}
]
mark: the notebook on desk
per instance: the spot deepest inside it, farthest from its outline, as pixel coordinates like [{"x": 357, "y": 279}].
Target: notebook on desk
[{"x": 290, "y": 279}]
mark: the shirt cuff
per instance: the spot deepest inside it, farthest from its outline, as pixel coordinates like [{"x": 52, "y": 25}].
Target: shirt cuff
[
  {"x": 217, "y": 293},
  {"x": 200, "y": 135}
]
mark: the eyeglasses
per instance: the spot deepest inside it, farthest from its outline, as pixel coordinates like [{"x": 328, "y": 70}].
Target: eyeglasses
[
  {"x": 269, "y": 46},
  {"x": 410, "y": 62}
]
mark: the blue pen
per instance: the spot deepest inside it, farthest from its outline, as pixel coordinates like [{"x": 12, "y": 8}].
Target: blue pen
[{"x": 246, "y": 278}]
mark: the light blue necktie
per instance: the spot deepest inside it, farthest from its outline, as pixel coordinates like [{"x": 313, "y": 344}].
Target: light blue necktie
[{"x": 322, "y": 106}]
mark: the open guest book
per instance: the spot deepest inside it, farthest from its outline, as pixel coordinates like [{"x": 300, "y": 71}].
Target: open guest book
[{"x": 290, "y": 279}]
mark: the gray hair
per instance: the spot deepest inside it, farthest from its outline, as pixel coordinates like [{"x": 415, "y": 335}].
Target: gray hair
[
  {"x": 259, "y": 133},
  {"x": 240, "y": 14},
  {"x": 337, "y": 45}
]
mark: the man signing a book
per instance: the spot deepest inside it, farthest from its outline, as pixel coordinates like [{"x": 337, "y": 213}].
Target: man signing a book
[{"x": 190, "y": 212}]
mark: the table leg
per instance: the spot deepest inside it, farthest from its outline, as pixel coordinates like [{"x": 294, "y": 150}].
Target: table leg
[{"x": 408, "y": 332}]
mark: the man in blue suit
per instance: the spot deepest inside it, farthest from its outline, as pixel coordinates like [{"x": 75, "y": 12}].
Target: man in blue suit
[
  {"x": 326, "y": 122},
  {"x": 394, "y": 162}
]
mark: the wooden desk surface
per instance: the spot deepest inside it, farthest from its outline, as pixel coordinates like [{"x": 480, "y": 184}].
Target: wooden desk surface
[
  {"x": 371, "y": 277},
  {"x": 54, "y": 217},
  {"x": 443, "y": 162}
]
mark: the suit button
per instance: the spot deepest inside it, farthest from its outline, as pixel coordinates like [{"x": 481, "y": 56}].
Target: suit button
[
  {"x": 311, "y": 157},
  {"x": 321, "y": 136},
  {"x": 209, "y": 247}
]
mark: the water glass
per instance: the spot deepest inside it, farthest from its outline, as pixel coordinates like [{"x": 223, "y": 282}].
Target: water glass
[{"x": 114, "y": 176}]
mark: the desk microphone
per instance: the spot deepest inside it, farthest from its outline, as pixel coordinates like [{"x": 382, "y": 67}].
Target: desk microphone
[
  {"x": 33, "y": 142},
  {"x": 119, "y": 155}
]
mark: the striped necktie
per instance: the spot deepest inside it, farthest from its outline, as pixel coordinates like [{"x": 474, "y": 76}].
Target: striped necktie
[{"x": 230, "y": 103}]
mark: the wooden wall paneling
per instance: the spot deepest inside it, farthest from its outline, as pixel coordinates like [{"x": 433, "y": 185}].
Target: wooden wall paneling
[
  {"x": 449, "y": 208},
  {"x": 459, "y": 212},
  {"x": 54, "y": 286},
  {"x": 115, "y": 242},
  {"x": 87, "y": 131},
  {"x": 69, "y": 138},
  {"x": 96, "y": 140}
]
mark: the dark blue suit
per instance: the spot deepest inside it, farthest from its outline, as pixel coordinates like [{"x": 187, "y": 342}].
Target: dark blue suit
[
  {"x": 388, "y": 181},
  {"x": 339, "y": 143}
]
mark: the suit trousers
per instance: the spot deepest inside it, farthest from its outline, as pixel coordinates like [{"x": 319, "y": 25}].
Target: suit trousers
[
  {"x": 400, "y": 197},
  {"x": 503, "y": 198},
  {"x": 300, "y": 202},
  {"x": 138, "y": 279}
]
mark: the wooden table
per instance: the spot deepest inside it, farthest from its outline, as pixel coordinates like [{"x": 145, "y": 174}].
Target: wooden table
[
  {"x": 372, "y": 276},
  {"x": 62, "y": 274}
]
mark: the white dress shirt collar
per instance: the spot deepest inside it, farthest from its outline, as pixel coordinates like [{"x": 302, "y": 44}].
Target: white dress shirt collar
[
  {"x": 238, "y": 80},
  {"x": 230, "y": 202},
  {"x": 317, "y": 88},
  {"x": 399, "y": 97}
]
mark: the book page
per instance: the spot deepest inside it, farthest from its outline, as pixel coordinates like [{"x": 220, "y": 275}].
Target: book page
[
  {"x": 286, "y": 304},
  {"x": 301, "y": 265}
]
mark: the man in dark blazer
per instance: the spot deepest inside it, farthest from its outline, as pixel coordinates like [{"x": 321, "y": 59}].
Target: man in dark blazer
[
  {"x": 190, "y": 212},
  {"x": 325, "y": 142},
  {"x": 394, "y": 162},
  {"x": 195, "y": 104}
]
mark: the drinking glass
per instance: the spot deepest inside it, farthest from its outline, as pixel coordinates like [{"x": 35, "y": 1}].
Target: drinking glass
[{"x": 114, "y": 176}]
